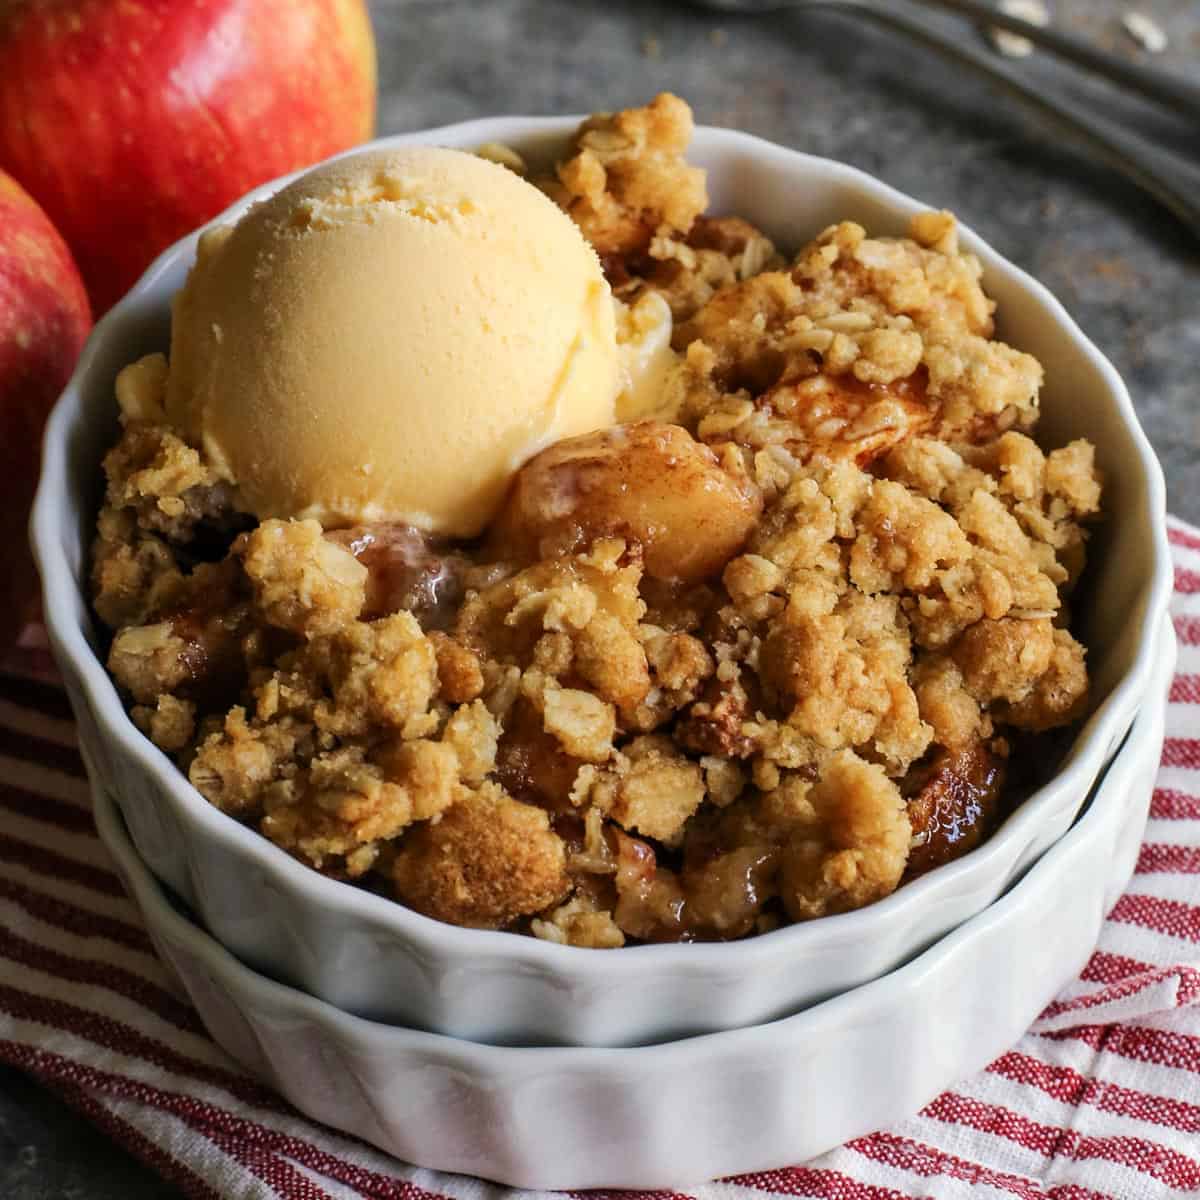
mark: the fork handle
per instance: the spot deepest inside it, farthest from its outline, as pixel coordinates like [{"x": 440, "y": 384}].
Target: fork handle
[
  {"x": 1179, "y": 95},
  {"x": 1166, "y": 176}
]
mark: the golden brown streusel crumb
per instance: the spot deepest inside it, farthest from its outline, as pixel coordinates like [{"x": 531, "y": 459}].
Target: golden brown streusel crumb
[
  {"x": 579, "y": 923},
  {"x": 134, "y": 573},
  {"x": 302, "y": 582},
  {"x": 164, "y": 482},
  {"x": 148, "y": 660},
  {"x": 339, "y": 808},
  {"x": 589, "y": 600},
  {"x": 170, "y": 724},
  {"x": 1071, "y": 477},
  {"x": 234, "y": 764},
  {"x": 428, "y": 771},
  {"x": 583, "y": 723},
  {"x": 840, "y": 679},
  {"x": 945, "y": 703},
  {"x": 628, "y": 186},
  {"x": 625, "y": 176},
  {"x": 1002, "y": 660},
  {"x": 688, "y": 270},
  {"x": 141, "y": 389},
  {"x": 849, "y": 842},
  {"x": 724, "y": 780},
  {"x": 903, "y": 540},
  {"x": 651, "y": 788},
  {"x": 381, "y": 674},
  {"x": 487, "y": 862},
  {"x": 679, "y": 666},
  {"x": 325, "y": 803},
  {"x": 1059, "y": 695},
  {"x": 473, "y": 733},
  {"x": 864, "y": 342},
  {"x": 460, "y": 675}
]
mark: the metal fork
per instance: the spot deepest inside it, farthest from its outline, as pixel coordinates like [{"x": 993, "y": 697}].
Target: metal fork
[{"x": 1171, "y": 179}]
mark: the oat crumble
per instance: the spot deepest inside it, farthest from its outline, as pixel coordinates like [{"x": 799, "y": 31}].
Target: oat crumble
[{"x": 768, "y": 663}]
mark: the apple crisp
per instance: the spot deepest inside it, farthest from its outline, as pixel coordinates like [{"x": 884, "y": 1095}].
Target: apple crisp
[{"x": 759, "y": 654}]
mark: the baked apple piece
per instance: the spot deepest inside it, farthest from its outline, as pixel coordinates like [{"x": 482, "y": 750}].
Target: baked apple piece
[
  {"x": 840, "y": 416},
  {"x": 650, "y": 483},
  {"x": 953, "y": 804}
]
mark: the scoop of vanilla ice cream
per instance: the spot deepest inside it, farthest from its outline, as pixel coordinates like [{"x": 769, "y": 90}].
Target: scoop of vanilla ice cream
[{"x": 389, "y": 338}]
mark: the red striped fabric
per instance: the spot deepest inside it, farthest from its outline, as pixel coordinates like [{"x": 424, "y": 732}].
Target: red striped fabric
[
  {"x": 1174, "y": 918},
  {"x": 1180, "y": 535},
  {"x": 1108, "y": 968},
  {"x": 1185, "y": 689},
  {"x": 1074, "y": 1088},
  {"x": 1156, "y": 858},
  {"x": 1051, "y": 1140},
  {"x": 1099, "y": 1101},
  {"x": 1187, "y": 628},
  {"x": 1186, "y": 981},
  {"x": 1181, "y": 752},
  {"x": 1187, "y": 581},
  {"x": 1170, "y": 804},
  {"x": 1138, "y": 1043},
  {"x": 137, "y": 1143}
]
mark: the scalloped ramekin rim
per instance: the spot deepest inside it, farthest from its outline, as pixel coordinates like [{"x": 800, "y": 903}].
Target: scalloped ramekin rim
[{"x": 1081, "y": 766}]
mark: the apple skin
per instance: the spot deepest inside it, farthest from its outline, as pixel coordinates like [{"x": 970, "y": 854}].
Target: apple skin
[
  {"x": 44, "y": 321},
  {"x": 134, "y": 121}
]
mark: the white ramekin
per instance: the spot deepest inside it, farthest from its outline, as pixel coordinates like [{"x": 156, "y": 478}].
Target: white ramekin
[
  {"x": 377, "y": 959},
  {"x": 678, "y": 1113}
]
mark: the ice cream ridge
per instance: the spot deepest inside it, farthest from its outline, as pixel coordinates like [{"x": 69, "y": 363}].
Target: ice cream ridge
[{"x": 389, "y": 338}]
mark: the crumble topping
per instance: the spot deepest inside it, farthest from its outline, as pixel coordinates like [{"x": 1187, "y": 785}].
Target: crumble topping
[
  {"x": 625, "y": 176},
  {"x": 759, "y": 656}
]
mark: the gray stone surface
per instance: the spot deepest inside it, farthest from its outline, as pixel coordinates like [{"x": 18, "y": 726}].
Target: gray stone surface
[{"x": 832, "y": 85}]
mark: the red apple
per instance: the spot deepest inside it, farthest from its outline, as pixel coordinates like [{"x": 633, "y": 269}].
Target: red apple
[
  {"x": 133, "y": 121},
  {"x": 44, "y": 320}
]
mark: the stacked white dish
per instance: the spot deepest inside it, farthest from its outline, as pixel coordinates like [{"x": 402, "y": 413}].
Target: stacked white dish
[
  {"x": 684, "y": 1111},
  {"x": 691, "y": 1106}
]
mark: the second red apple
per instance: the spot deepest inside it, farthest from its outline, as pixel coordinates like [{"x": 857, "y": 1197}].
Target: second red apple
[{"x": 44, "y": 320}]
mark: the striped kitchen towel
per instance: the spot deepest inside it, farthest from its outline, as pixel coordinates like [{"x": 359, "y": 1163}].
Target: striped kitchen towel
[{"x": 1100, "y": 1099}]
